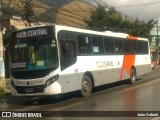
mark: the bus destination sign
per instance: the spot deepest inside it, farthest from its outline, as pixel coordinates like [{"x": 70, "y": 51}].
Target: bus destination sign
[{"x": 32, "y": 33}]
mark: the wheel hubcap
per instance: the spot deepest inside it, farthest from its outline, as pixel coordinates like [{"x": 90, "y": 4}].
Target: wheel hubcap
[{"x": 85, "y": 86}]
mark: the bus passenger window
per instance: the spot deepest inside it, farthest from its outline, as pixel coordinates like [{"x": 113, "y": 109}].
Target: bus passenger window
[
  {"x": 118, "y": 46},
  {"x": 109, "y": 46},
  {"x": 84, "y": 44},
  {"x": 127, "y": 46},
  {"x": 133, "y": 46},
  {"x": 140, "y": 47},
  {"x": 97, "y": 44},
  {"x": 145, "y": 47}
]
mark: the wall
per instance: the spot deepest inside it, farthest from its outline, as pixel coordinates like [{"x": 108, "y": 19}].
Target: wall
[{"x": 74, "y": 14}]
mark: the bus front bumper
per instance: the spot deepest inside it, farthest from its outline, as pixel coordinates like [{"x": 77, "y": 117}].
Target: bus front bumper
[{"x": 54, "y": 89}]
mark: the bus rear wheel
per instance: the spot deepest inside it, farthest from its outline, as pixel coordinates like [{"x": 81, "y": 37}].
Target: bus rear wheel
[
  {"x": 133, "y": 76},
  {"x": 86, "y": 86}
]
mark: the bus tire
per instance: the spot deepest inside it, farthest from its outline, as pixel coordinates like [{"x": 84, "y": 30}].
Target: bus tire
[
  {"x": 133, "y": 76},
  {"x": 86, "y": 86}
]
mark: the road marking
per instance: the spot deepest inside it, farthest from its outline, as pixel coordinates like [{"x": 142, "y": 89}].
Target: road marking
[
  {"x": 138, "y": 86},
  {"x": 59, "y": 109}
]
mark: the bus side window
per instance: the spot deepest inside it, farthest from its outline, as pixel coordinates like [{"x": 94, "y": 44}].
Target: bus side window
[
  {"x": 140, "y": 47},
  {"x": 118, "y": 46},
  {"x": 145, "y": 47},
  {"x": 97, "y": 44},
  {"x": 127, "y": 46},
  {"x": 133, "y": 46},
  {"x": 109, "y": 46},
  {"x": 84, "y": 44}
]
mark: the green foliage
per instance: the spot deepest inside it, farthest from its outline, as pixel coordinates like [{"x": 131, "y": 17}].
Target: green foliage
[
  {"x": 112, "y": 20},
  {"x": 2, "y": 91},
  {"x": 98, "y": 19}
]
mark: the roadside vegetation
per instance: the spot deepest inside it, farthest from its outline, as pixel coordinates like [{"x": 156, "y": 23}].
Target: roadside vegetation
[
  {"x": 112, "y": 20},
  {"x": 2, "y": 91}
]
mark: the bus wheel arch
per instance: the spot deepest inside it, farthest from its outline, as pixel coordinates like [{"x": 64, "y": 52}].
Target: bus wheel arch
[
  {"x": 133, "y": 75},
  {"x": 87, "y": 84},
  {"x": 89, "y": 74}
]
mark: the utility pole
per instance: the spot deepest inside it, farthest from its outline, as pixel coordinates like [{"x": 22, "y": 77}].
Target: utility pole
[
  {"x": 158, "y": 45},
  {"x": 1, "y": 40},
  {"x": 157, "y": 35},
  {"x": 2, "y": 69}
]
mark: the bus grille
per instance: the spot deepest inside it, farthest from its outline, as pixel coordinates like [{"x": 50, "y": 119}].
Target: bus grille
[{"x": 30, "y": 90}]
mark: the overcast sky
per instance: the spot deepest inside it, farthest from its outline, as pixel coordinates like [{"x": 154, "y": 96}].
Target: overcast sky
[{"x": 143, "y": 9}]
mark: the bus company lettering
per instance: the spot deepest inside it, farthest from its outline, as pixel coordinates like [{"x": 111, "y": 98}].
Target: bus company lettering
[
  {"x": 32, "y": 33},
  {"x": 100, "y": 64}
]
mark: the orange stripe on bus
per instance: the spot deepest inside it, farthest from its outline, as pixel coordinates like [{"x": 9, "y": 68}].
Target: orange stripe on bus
[
  {"x": 132, "y": 37},
  {"x": 128, "y": 62}
]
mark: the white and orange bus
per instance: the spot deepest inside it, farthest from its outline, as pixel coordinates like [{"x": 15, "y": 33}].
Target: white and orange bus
[{"x": 55, "y": 59}]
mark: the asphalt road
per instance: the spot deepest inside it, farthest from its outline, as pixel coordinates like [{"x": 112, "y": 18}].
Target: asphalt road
[{"x": 110, "y": 102}]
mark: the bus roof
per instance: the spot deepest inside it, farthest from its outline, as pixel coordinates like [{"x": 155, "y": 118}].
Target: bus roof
[{"x": 104, "y": 33}]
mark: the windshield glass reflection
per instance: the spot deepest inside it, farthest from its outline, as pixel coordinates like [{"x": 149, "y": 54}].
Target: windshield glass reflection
[{"x": 40, "y": 54}]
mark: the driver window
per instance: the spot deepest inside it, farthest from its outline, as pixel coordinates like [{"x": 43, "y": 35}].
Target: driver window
[{"x": 68, "y": 50}]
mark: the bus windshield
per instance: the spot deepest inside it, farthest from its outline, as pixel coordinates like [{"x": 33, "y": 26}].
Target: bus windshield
[{"x": 34, "y": 54}]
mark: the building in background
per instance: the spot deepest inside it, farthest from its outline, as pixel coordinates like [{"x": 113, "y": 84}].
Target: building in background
[{"x": 75, "y": 13}]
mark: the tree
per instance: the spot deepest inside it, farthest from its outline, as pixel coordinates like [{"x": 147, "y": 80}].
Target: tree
[
  {"x": 28, "y": 13},
  {"x": 98, "y": 19},
  {"x": 127, "y": 26},
  {"x": 138, "y": 28},
  {"x": 150, "y": 26},
  {"x": 105, "y": 20},
  {"x": 112, "y": 20}
]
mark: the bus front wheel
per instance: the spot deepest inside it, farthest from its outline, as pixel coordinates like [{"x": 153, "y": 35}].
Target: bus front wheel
[
  {"x": 133, "y": 76},
  {"x": 86, "y": 86}
]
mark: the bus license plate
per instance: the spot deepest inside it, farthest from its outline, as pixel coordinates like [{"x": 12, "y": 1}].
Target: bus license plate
[{"x": 29, "y": 90}]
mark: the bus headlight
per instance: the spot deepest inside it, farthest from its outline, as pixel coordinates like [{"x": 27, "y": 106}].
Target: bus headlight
[{"x": 51, "y": 80}]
